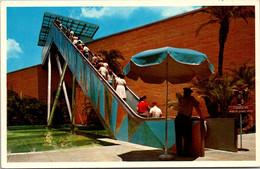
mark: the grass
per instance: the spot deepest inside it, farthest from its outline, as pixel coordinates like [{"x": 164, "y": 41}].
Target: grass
[{"x": 37, "y": 138}]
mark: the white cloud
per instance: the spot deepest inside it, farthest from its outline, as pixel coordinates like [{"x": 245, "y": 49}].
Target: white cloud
[
  {"x": 125, "y": 12},
  {"x": 13, "y": 49},
  {"x": 172, "y": 10},
  {"x": 98, "y": 12},
  {"x": 94, "y": 12}
]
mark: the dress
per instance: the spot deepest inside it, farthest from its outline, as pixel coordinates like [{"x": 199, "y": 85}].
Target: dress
[
  {"x": 156, "y": 111},
  {"x": 183, "y": 124},
  {"x": 120, "y": 88}
]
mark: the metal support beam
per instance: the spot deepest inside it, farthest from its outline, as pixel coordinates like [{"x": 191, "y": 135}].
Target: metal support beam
[
  {"x": 49, "y": 88},
  {"x": 57, "y": 94},
  {"x": 64, "y": 87}
]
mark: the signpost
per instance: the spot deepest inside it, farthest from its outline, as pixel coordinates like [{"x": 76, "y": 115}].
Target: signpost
[{"x": 241, "y": 109}]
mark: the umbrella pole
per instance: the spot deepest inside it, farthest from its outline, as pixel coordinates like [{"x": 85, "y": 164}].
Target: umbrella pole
[
  {"x": 166, "y": 156},
  {"x": 166, "y": 121}
]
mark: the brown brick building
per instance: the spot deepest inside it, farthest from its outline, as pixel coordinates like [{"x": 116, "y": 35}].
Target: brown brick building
[{"x": 178, "y": 31}]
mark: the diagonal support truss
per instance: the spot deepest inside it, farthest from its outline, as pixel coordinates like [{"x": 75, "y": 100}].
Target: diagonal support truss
[{"x": 64, "y": 87}]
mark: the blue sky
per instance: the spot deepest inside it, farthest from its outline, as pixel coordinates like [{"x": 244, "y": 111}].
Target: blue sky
[{"x": 24, "y": 24}]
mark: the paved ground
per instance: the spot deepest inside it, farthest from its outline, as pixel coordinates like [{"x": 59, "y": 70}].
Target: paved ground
[
  {"x": 248, "y": 143},
  {"x": 124, "y": 151}
]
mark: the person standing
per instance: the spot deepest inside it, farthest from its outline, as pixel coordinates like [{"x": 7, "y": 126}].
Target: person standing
[
  {"x": 142, "y": 107},
  {"x": 80, "y": 46},
  {"x": 183, "y": 123},
  {"x": 155, "y": 111},
  {"x": 86, "y": 50},
  {"x": 75, "y": 40},
  {"x": 110, "y": 77},
  {"x": 71, "y": 36},
  {"x": 120, "y": 86},
  {"x": 94, "y": 60},
  {"x": 103, "y": 71}
]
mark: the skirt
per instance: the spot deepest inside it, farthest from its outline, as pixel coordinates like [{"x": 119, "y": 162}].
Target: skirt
[{"x": 120, "y": 89}]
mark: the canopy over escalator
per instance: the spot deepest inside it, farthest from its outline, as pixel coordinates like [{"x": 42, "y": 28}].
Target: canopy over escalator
[{"x": 84, "y": 30}]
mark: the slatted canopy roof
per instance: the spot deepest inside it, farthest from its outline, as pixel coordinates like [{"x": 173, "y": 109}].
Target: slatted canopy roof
[{"x": 81, "y": 29}]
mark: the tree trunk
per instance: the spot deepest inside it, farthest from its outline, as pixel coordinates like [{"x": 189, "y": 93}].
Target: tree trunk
[
  {"x": 220, "y": 58},
  {"x": 223, "y": 31}
]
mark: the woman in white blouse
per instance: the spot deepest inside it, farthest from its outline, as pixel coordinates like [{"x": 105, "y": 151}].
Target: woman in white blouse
[{"x": 120, "y": 86}]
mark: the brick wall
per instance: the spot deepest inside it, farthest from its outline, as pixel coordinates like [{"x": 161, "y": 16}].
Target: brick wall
[
  {"x": 25, "y": 81},
  {"x": 179, "y": 31},
  {"x": 42, "y": 82},
  {"x": 80, "y": 100}
]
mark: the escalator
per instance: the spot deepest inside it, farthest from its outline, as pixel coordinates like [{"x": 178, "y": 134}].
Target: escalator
[{"x": 117, "y": 116}]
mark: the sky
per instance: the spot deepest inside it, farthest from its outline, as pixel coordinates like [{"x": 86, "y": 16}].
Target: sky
[{"x": 24, "y": 24}]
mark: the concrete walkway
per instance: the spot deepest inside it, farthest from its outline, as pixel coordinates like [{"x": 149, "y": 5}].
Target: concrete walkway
[{"x": 124, "y": 151}]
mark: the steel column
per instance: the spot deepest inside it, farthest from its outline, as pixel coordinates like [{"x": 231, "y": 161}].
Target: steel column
[{"x": 49, "y": 88}]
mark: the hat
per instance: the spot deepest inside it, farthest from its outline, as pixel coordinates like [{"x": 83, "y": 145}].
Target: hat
[{"x": 188, "y": 90}]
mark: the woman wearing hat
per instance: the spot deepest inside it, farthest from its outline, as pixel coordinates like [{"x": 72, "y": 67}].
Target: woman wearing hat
[{"x": 183, "y": 123}]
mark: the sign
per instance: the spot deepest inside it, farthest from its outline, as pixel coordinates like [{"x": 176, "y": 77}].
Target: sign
[{"x": 241, "y": 109}]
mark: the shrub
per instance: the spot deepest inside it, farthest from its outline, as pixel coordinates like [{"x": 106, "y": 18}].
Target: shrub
[
  {"x": 216, "y": 90},
  {"x": 25, "y": 111}
]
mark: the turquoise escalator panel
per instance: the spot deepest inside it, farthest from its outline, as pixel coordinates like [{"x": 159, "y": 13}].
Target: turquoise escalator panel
[
  {"x": 113, "y": 116},
  {"x": 122, "y": 133},
  {"x": 102, "y": 100}
]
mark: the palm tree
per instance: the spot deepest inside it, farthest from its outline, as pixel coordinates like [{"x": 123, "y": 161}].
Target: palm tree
[
  {"x": 112, "y": 57},
  {"x": 223, "y": 15}
]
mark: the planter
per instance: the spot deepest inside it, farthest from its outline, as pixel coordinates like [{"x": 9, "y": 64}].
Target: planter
[{"x": 221, "y": 134}]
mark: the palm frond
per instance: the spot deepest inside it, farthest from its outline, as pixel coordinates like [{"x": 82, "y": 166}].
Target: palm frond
[
  {"x": 205, "y": 24},
  {"x": 243, "y": 12},
  {"x": 244, "y": 74},
  {"x": 218, "y": 89}
]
